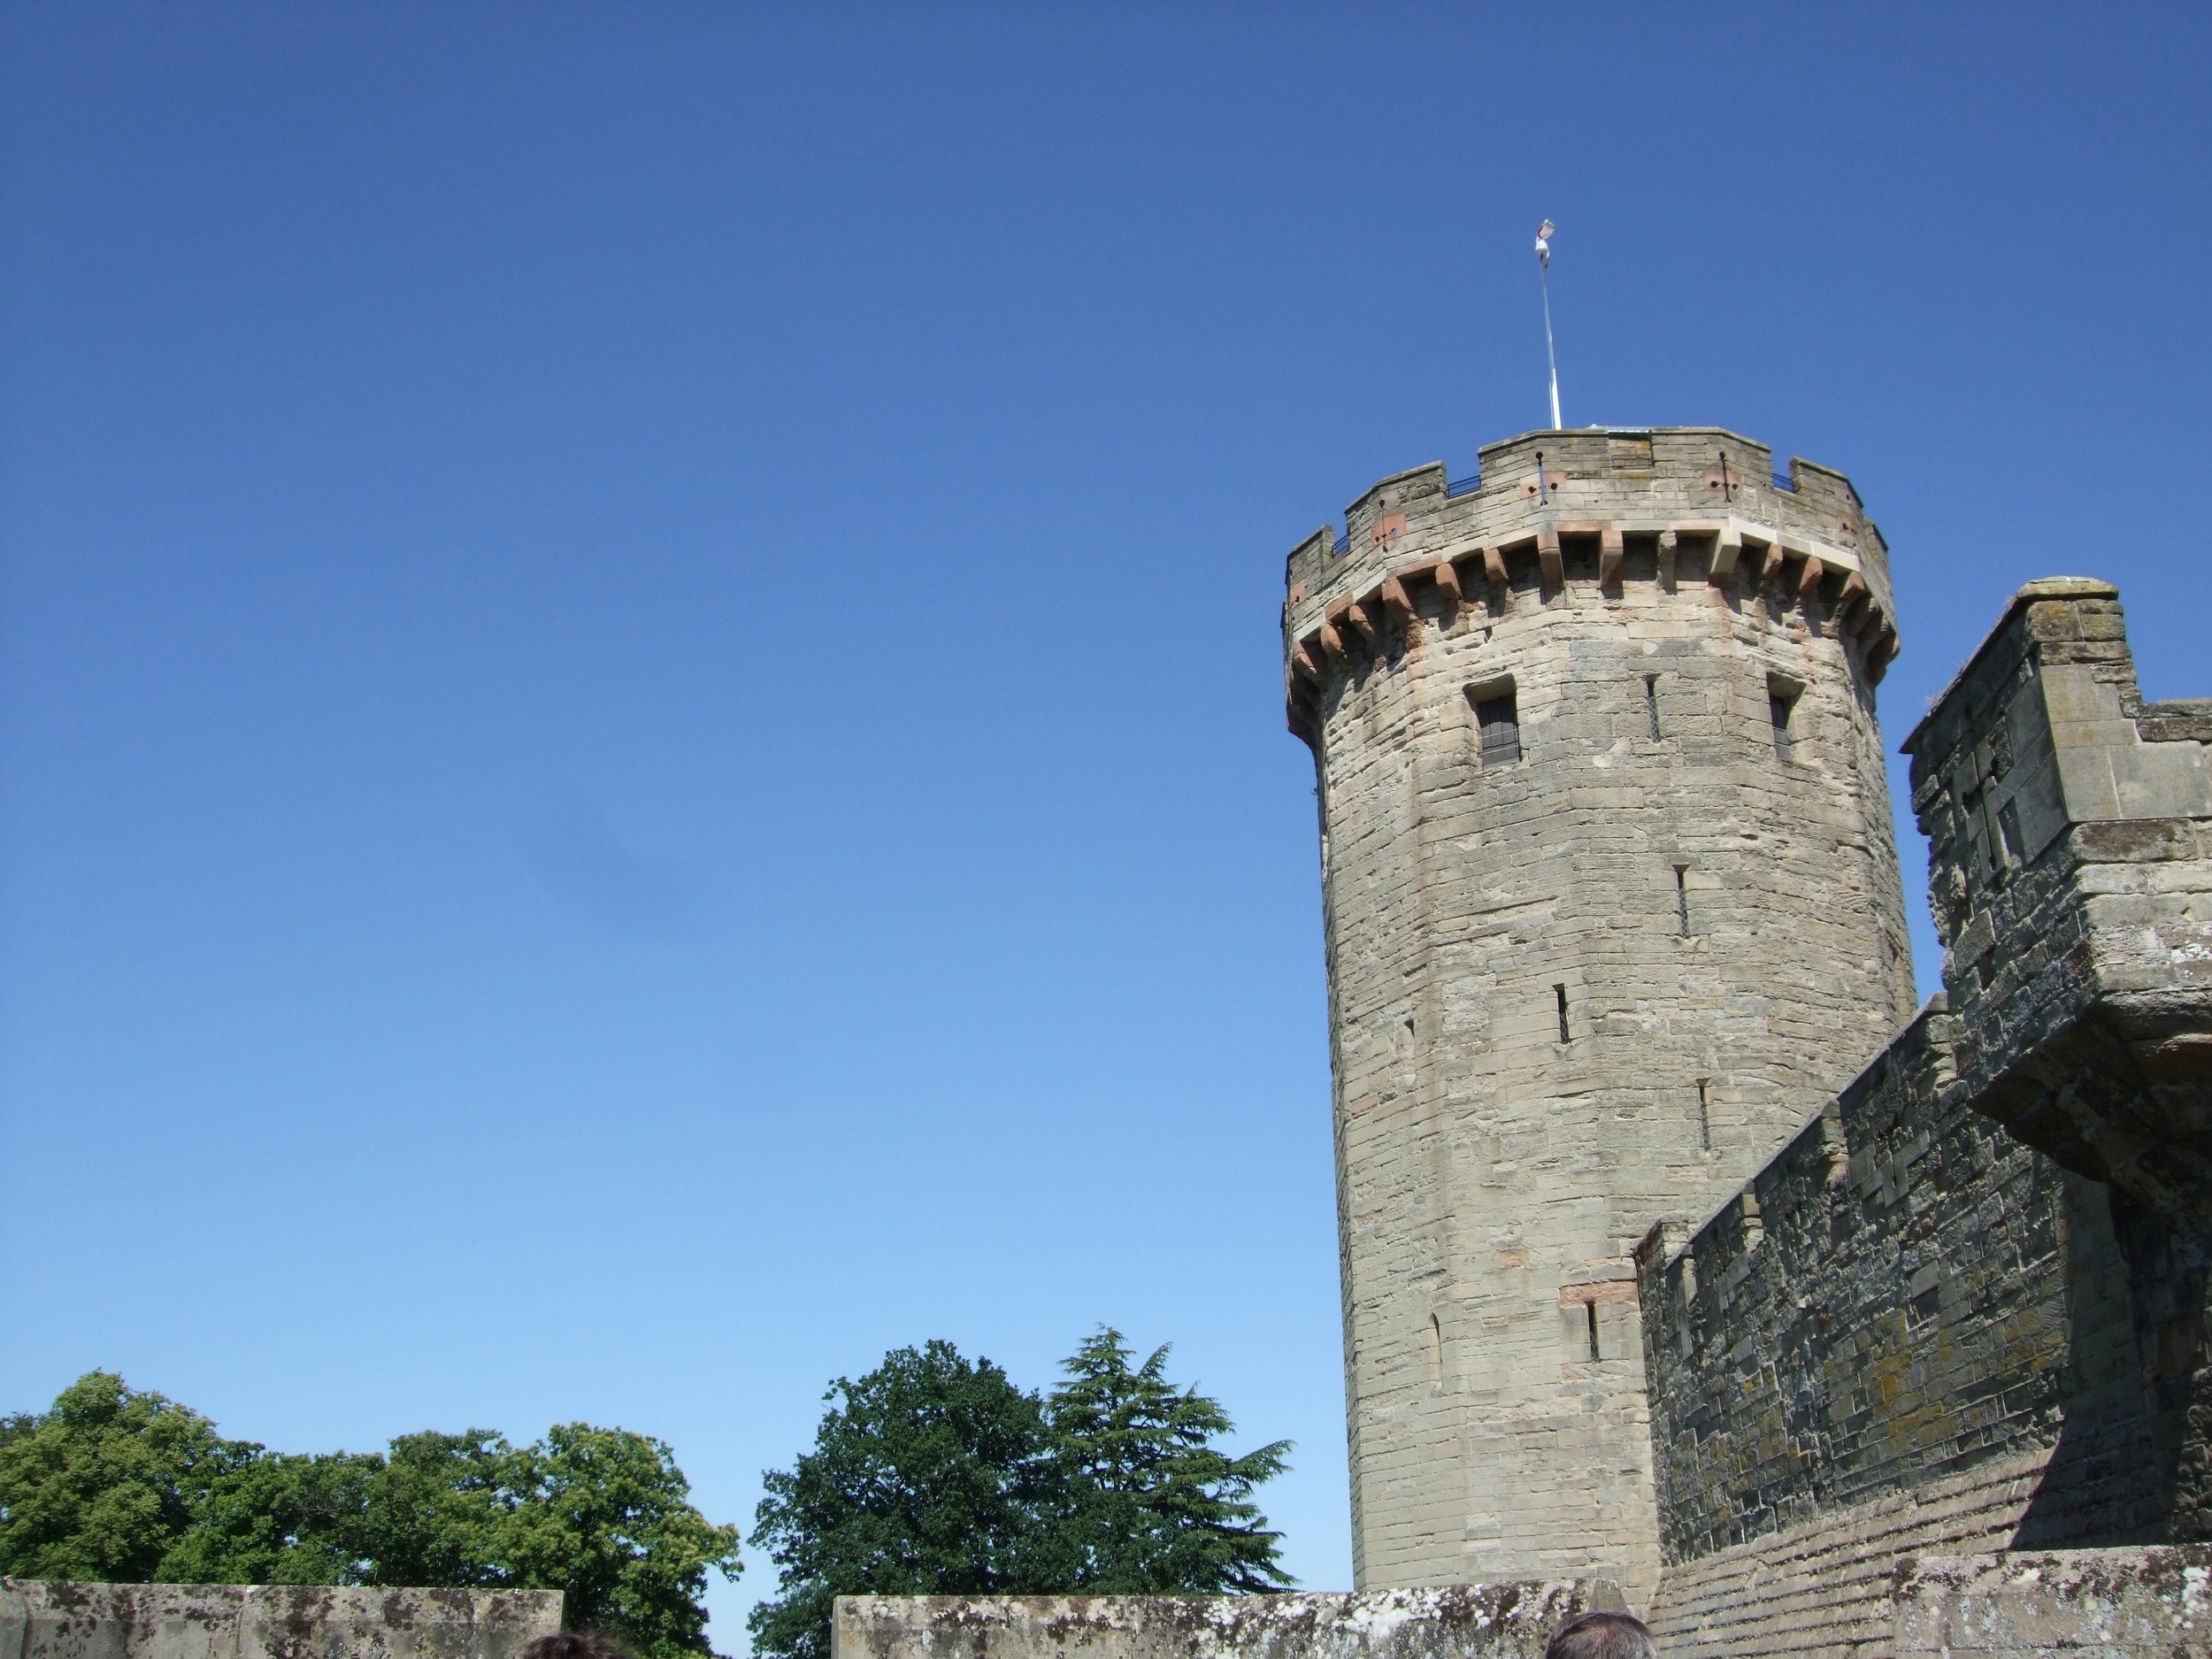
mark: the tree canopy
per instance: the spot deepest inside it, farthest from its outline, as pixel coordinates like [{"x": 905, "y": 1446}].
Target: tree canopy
[
  {"x": 936, "y": 1475},
  {"x": 120, "y": 1486},
  {"x": 1149, "y": 1505},
  {"x": 926, "y": 1477}
]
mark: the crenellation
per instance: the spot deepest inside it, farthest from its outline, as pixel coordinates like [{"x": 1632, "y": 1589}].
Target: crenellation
[
  {"x": 1963, "y": 1308},
  {"x": 1405, "y": 525},
  {"x": 1490, "y": 898}
]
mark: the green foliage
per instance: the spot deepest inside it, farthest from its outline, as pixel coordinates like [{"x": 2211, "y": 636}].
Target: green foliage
[
  {"x": 606, "y": 1515},
  {"x": 931, "y": 1475},
  {"x": 106, "y": 1484},
  {"x": 122, "y": 1487},
  {"x": 439, "y": 1512},
  {"x": 928, "y": 1476},
  {"x": 278, "y": 1519},
  {"x": 1151, "y": 1506}
]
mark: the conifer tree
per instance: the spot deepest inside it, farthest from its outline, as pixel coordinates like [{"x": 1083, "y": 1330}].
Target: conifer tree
[
  {"x": 934, "y": 1475},
  {"x": 1150, "y": 1505}
]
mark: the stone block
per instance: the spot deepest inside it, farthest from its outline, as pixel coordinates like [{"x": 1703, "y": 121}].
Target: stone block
[
  {"x": 2127, "y": 1603},
  {"x": 41, "y": 1619}
]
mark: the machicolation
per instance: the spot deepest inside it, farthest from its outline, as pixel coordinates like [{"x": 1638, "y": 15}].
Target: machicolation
[
  {"x": 1684, "y": 1261},
  {"x": 1611, "y": 901},
  {"x": 1677, "y": 1248}
]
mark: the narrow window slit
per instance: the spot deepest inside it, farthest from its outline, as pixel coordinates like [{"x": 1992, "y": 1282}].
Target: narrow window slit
[
  {"x": 1590, "y": 1309},
  {"x": 1781, "y": 701},
  {"x": 1651, "y": 703},
  {"x": 1560, "y": 992},
  {"x": 1682, "y": 899},
  {"x": 1704, "y": 1118}
]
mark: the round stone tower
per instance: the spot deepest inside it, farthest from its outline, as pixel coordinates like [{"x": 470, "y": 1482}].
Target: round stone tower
[{"x": 1611, "y": 903}]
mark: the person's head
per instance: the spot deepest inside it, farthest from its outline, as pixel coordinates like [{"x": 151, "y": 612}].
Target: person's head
[
  {"x": 1603, "y": 1636},
  {"x": 576, "y": 1644}
]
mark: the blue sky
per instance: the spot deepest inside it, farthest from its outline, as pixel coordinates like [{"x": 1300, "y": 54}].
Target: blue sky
[{"x": 641, "y": 748}]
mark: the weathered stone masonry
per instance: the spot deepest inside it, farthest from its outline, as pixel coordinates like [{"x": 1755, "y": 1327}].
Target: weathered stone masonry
[
  {"x": 41, "y": 1619},
  {"x": 1612, "y": 910},
  {"x": 1491, "y": 1621},
  {"x": 1611, "y": 901},
  {"x": 1963, "y": 1309}
]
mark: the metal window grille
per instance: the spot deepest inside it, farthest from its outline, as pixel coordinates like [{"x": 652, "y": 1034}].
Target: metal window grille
[{"x": 1499, "y": 723}]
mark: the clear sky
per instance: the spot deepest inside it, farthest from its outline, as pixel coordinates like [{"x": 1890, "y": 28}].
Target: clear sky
[{"x": 641, "y": 734}]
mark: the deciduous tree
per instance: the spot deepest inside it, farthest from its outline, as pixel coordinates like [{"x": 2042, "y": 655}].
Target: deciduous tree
[
  {"x": 928, "y": 1476},
  {"x": 105, "y": 1483},
  {"x": 934, "y": 1475},
  {"x": 129, "y": 1487}
]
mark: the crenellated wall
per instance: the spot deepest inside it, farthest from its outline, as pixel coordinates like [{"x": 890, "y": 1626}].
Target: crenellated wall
[
  {"x": 1963, "y": 1309},
  {"x": 1587, "y": 969},
  {"x": 2069, "y": 829},
  {"x": 1904, "y": 1292},
  {"x": 1667, "y": 504}
]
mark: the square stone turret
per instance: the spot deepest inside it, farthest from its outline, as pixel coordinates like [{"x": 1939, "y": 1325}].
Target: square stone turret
[{"x": 2070, "y": 830}]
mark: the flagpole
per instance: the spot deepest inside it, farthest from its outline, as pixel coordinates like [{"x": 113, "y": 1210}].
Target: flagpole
[{"x": 1551, "y": 356}]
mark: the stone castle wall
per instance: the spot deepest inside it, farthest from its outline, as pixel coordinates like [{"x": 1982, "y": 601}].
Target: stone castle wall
[
  {"x": 1491, "y": 1621},
  {"x": 41, "y": 1619},
  {"x": 1905, "y": 1293},
  {"x": 1587, "y": 981},
  {"x": 1964, "y": 1309}
]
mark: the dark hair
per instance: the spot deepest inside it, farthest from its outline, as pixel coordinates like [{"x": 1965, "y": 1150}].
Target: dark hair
[
  {"x": 1603, "y": 1636},
  {"x": 576, "y": 1644}
]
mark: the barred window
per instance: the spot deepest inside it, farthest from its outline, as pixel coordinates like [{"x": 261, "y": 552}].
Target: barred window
[{"x": 1499, "y": 723}]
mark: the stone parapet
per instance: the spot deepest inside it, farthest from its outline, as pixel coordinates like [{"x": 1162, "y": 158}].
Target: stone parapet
[
  {"x": 1903, "y": 1294},
  {"x": 1482, "y": 1621},
  {"x": 1611, "y": 903},
  {"x": 43, "y": 1619},
  {"x": 1965, "y": 1308},
  {"x": 2070, "y": 1604},
  {"x": 2069, "y": 831},
  {"x": 1670, "y": 505}
]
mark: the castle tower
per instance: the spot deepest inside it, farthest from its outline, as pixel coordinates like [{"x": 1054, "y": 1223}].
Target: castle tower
[{"x": 1611, "y": 905}]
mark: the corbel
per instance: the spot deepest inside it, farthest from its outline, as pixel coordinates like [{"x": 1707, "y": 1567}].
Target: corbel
[
  {"x": 1809, "y": 580},
  {"x": 1547, "y": 556},
  {"x": 1395, "y": 599},
  {"x": 1447, "y": 574},
  {"x": 1356, "y": 614},
  {"x": 1493, "y": 566},
  {"x": 1609, "y": 553},
  {"x": 1669, "y": 549},
  {"x": 1727, "y": 549}
]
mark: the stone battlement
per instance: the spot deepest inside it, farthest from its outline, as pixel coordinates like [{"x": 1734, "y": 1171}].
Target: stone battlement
[
  {"x": 1688, "y": 505},
  {"x": 1611, "y": 899},
  {"x": 1963, "y": 1309},
  {"x": 2069, "y": 829}
]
